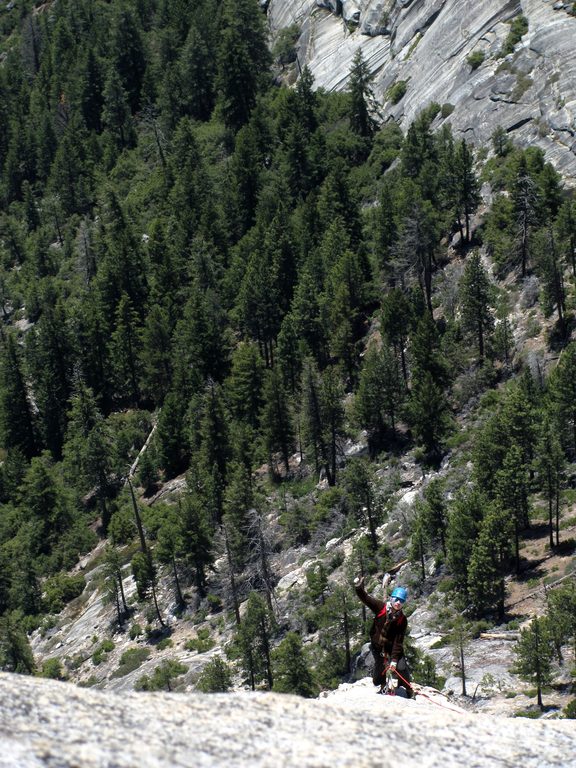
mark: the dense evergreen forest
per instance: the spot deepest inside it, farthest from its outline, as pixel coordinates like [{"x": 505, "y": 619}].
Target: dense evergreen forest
[{"x": 252, "y": 274}]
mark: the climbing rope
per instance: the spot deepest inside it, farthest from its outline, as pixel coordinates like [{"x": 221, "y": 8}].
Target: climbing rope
[{"x": 419, "y": 693}]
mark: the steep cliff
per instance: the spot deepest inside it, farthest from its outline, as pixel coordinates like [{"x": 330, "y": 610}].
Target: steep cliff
[{"x": 531, "y": 91}]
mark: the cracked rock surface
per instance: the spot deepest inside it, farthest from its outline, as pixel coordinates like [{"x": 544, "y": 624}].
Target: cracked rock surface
[
  {"x": 46, "y": 723},
  {"x": 530, "y": 92}
]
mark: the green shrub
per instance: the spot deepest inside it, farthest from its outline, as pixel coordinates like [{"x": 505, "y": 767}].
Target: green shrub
[
  {"x": 514, "y": 624},
  {"x": 533, "y": 714},
  {"x": 122, "y": 528},
  {"x": 523, "y": 82},
  {"x": 166, "y": 642},
  {"x": 131, "y": 660},
  {"x": 284, "y": 50},
  {"x": 336, "y": 560},
  {"x": 215, "y": 677},
  {"x": 446, "y": 585},
  {"x": 52, "y": 668},
  {"x": 477, "y": 627},
  {"x": 214, "y": 603},
  {"x": 397, "y": 91},
  {"x": 201, "y": 643},
  {"x": 161, "y": 678},
  {"x": 99, "y": 654},
  {"x": 446, "y": 109},
  {"x": 135, "y": 631},
  {"x": 569, "y": 710},
  {"x": 518, "y": 28},
  {"x": 475, "y": 59},
  {"x": 61, "y": 589}
]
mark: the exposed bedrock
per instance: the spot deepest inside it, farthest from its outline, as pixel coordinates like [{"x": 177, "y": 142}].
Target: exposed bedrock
[{"x": 530, "y": 92}]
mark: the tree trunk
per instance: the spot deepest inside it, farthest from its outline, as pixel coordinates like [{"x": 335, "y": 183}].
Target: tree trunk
[
  {"x": 179, "y": 595},
  {"x": 550, "y": 501},
  {"x": 462, "y": 667},
  {"x": 121, "y": 588},
  {"x": 557, "y": 514},
  {"x": 138, "y": 520},
  {"x": 266, "y": 646},
  {"x": 232, "y": 579},
  {"x": 346, "y": 636},
  {"x": 154, "y": 597}
]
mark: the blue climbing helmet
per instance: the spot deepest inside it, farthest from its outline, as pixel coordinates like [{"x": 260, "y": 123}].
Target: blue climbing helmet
[{"x": 400, "y": 593}]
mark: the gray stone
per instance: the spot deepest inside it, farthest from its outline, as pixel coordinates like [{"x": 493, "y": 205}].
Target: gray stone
[
  {"x": 46, "y": 723},
  {"x": 427, "y": 42}
]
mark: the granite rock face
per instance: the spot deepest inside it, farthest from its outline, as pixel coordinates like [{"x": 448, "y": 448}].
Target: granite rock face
[
  {"x": 530, "y": 92},
  {"x": 48, "y": 724}
]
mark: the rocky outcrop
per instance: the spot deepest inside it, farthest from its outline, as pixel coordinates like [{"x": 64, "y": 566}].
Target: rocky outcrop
[
  {"x": 426, "y": 43},
  {"x": 48, "y": 724}
]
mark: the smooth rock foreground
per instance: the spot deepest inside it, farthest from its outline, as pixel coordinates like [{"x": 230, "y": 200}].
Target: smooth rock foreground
[{"x": 45, "y": 723}]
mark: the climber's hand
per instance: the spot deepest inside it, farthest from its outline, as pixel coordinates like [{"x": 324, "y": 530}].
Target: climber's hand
[{"x": 391, "y": 679}]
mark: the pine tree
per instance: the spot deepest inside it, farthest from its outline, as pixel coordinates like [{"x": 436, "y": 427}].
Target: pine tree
[
  {"x": 380, "y": 395},
  {"x": 563, "y": 397},
  {"x": 308, "y": 322},
  {"x": 113, "y": 574},
  {"x": 525, "y": 198},
  {"x": 172, "y": 446},
  {"x": 359, "y": 483},
  {"x": 50, "y": 360},
  {"x": 561, "y": 603},
  {"x": 116, "y": 116},
  {"x": 197, "y": 73},
  {"x": 276, "y": 423},
  {"x": 427, "y": 412},
  {"x": 360, "y": 92},
  {"x": 17, "y": 421},
  {"x": 244, "y": 385},
  {"x": 426, "y": 351},
  {"x": 434, "y": 511},
  {"x": 121, "y": 268},
  {"x": 467, "y": 186},
  {"x": 125, "y": 351},
  {"x": 459, "y": 639},
  {"x": 567, "y": 233},
  {"x": 239, "y": 500},
  {"x": 534, "y": 655},
  {"x": 254, "y": 642},
  {"x": 44, "y": 508},
  {"x": 292, "y": 673},
  {"x": 197, "y": 533},
  {"x": 243, "y": 60},
  {"x": 15, "y": 651},
  {"x": 550, "y": 270},
  {"x": 550, "y": 463},
  {"x": 128, "y": 54},
  {"x": 464, "y": 521},
  {"x": 395, "y": 321},
  {"x": 488, "y": 562},
  {"x": 170, "y": 548},
  {"x": 88, "y": 450},
  {"x": 475, "y": 301},
  {"x": 512, "y": 492},
  {"x": 155, "y": 363}
]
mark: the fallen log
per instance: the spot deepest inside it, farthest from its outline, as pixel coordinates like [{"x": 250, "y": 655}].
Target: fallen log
[{"x": 499, "y": 635}]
